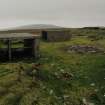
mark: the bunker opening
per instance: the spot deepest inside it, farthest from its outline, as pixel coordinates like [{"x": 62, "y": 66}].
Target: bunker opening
[{"x": 44, "y": 35}]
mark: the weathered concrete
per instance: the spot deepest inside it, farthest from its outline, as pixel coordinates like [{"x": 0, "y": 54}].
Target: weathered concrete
[
  {"x": 30, "y": 44},
  {"x": 52, "y": 34},
  {"x": 56, "y": 35},
  {"x": 36, "y": 48}
]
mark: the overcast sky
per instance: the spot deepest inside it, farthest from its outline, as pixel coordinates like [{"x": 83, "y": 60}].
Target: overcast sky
[{"x": 70, "y": 13}]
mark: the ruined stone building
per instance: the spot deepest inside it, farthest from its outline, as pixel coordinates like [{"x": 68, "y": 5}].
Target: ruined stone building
[
  {"x": 27, "y": 38},
  {"x": 19, "y": 45}
]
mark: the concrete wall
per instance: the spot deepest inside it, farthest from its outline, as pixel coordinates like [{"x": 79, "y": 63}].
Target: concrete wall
[
  {"x": 36, "y": 33},
  {"x": 56, "y": 35},
  {"x": 32, "y": 47}
]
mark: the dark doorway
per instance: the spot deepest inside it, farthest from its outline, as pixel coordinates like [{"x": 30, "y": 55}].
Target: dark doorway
[
  {"x": 3, "y": 50},
  {"x": 44, "y": 35},
  {"x": 19, "y": 48}
]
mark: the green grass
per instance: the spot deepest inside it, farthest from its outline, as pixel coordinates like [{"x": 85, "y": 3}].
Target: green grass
[{"x": 88, "y": 80}]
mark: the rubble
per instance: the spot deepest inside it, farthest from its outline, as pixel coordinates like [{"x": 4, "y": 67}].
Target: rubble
[
  {"x": 64, "y": 75},
  {"x": 84, "y": 49}
]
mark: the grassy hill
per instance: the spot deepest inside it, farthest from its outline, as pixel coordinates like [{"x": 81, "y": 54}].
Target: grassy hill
[{"x": 85, "y": 83}]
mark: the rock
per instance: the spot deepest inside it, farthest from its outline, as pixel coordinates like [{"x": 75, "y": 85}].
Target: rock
[
  {"x": 84, "y": 101},
  {"x": 62, "y": 70},
  {"x": 66, "y": 75},
  {"x": 43, "y": 86},
  {"x": 92, "y": 51},
  {"x": 59, "y": 98},
  {"x": 51, "y": 92},
  {"x": 66, "y": 96},
  {"x": 96, "y": 90},
  {"x": 52, "y": 64},
  {"x": 91, "y": 104},
  {"x": 57, "y": 75},
  {"x": 92, "y": 84}
]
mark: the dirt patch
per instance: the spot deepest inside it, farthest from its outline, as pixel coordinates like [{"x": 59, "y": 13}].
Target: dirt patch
[{"x": 84, "y": 49}]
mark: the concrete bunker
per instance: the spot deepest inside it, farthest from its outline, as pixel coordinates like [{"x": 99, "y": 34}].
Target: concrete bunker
[
  {"x": 18, "y": 45},
  {"x": 55, "y": 35}
]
